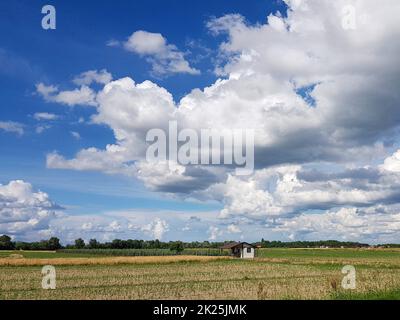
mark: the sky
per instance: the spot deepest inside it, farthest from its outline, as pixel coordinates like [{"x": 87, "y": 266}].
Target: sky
[{"x": 316, "y": 80}]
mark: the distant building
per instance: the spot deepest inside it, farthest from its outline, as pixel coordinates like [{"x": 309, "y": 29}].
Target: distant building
[{"x": 242, "y": 250}]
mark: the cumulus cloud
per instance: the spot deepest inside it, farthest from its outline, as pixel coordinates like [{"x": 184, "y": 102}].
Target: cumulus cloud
[
  {"x": 261, "y": 91},
  {"x": 156, "y": 228},
  {"x": 232, "y": 228},
  {"x": 93, "y": 76},
  {"x": 317, "y": 95},
  {"x": 24, "y": 212},
  {"x": 92, "y": 159},
  {"x": 392, "y": 163},
  {"x": 13, "y": 127},
  {"x": 287, "y": 190},
  {"x": 132, "y": 224},
  {"x": 347, "y": 224},
  {"x": 27, "y": 214},
  {"x": 83, "y": 96},
  {"x": 171, "y": 177},
  {"x": 165, "y": 58},
  {"x": 214, "y": 233}
]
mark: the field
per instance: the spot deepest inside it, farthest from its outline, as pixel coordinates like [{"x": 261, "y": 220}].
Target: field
[{"x": 274, "y": 274}]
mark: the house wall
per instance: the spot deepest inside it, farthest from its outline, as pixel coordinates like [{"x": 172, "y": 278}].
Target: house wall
[
  {"x": 247, "y": 255},
  {"x": 237, "y": 252}
]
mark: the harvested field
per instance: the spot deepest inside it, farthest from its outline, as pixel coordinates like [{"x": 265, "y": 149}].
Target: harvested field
[
  {"x": 12, "y": 261},
  {"x": 277, "y": 274}
]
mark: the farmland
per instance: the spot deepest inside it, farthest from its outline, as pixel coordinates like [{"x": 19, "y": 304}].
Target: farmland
[{"x": 274, "y": 274}]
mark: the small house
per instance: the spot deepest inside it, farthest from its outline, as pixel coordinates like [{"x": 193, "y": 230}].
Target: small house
[{"x": 242, "y": 250}]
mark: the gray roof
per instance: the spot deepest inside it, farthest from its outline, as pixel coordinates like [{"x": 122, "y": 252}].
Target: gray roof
[{"x": 236, "y": 244}]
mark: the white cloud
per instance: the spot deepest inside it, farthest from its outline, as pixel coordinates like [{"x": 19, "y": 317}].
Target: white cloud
[
  {"x": 232, "y": 228},
  {"x": 13, "y": 127},
  {"x": 46, "y": 91},
  {"x": 261, "y": 91},
  {"x": 113, "y": 43},
  {"x": 227, "y": 22},
  {"x": 40, "y": 129},
  {"x": 165, "y": 58},
  {"x": 83, "y": 96},
  {"x": 156, "y": 228},
  {"x": 143, "y": 42},
  {"x": 76, "y": 135},
  {"x": 351, "y": 76},
  {"x": 30, "y": 215},
  {"x": 24, "y": 212},
  {"x": 392, "y": 163},
  {"x": 39, "y": 116},
  {"x": 214, "y": 233},
  {"x": 93, "y": 76},
  {"x": 109, "y": 161},
  {"x": 131, "y": 224},
  {"x": 279, "y": 191},
  {"x": 346, "y": 224},
  {"x": 130, "y": 109},
  {"x": 115, "y": 226},
  {"x": 87, "y": 226}
]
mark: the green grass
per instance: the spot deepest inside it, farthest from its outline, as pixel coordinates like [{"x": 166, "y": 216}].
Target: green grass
[
  {"x": 328, "y": 253},
  {"x": 144, "y": 252},
  {"x": 91, "y": 253},
  {"x": 47, "y": 254},
  {"x": 303, "y": 254},
  {"x": 375, "y": 295}
]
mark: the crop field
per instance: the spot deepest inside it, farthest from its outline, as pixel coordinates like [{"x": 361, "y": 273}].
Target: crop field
[{"x": 274, "y": 274}]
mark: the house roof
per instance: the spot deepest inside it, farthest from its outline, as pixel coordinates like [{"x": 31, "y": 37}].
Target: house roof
[{"x": 236, "y": 244}]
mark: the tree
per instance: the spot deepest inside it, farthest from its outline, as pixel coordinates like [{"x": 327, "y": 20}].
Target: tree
[
  {"x": 117, "y": 244},
  {"x": 22, "y": 246},
  {"x": 6, "y": 243},
  {"x": 93, "y": 244},
  {"x": 79, "y": 243},
  {"x": 177, "y": 246},
  {"x": 54, "y": 243}
]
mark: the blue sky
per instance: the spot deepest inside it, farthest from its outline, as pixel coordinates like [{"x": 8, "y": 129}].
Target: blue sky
[
  {"x": 277, "y": 62},
  {"x": 79, "y": 44}
]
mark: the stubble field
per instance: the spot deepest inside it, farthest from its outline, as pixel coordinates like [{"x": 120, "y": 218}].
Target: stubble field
[{"x": 274, "y": 274}]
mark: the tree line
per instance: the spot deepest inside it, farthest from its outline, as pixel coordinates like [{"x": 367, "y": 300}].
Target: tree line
[
  {"x": 312, "y": 244},
  {"x": 54, "y": 243},
  {"x": 7, "y": 244}
]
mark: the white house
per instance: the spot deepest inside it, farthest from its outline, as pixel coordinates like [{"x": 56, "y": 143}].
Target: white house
[{"x": 242, "y": 250}]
